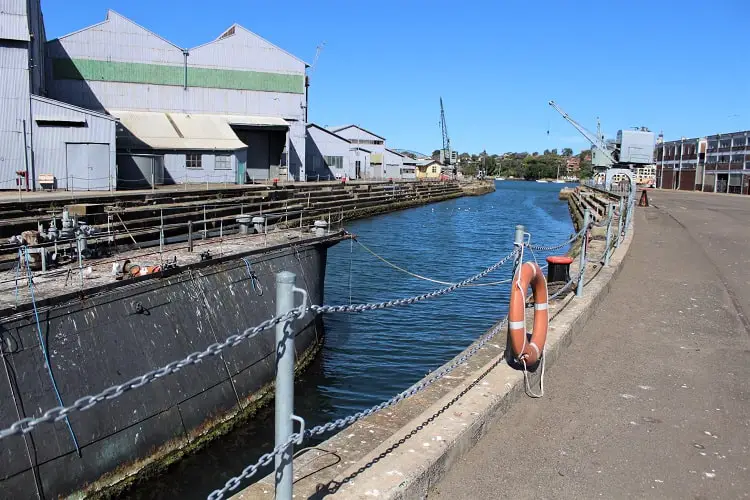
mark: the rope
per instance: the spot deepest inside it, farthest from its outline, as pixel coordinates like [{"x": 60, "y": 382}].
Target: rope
[
  {"x": 43, "y": 347},
  {"x": 414, "y": 275}
]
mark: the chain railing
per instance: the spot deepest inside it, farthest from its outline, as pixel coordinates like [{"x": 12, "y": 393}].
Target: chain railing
[{"x": 282, "y": 452}]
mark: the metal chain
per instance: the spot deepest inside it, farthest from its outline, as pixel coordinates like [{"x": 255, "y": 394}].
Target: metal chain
[
  {"x": 58, "y": 413},
  {"x": 54, "y": 414},
  {"x": 412, "y": 300},
  {"x": 556, "y": 247},
  {"x": 340, "y": 423}
]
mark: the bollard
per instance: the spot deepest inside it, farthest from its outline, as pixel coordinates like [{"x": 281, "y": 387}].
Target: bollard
[
  {"x": 619, "y": 225},
  {"x": 610, "y": 212},
  {"x": 584, "y": 250},
  {"x": 284, "y": 406},
  {"x": 190, "y": 236}
]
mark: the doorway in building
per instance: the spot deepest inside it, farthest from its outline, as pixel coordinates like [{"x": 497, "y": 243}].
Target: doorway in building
[
  {"x": 358, "y": 169},
  {"x": 87, "y": 166}
]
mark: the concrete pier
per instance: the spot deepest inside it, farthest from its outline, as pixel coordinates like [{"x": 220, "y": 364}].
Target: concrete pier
[{"x": 652, "y": 400}]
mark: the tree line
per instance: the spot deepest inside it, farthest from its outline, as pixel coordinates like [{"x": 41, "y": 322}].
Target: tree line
[{"x": 530, "y": 166}]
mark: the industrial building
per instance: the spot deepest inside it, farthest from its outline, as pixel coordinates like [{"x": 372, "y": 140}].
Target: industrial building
[
  {"x": 383, "y": 164},
  {"x": 716, "y": 163},
  {"x": 330, "y": 156},
  {"x": 232, "y": 109},
  {"x": 44, "y": 142},
  {"x": 361, "y": 154}
]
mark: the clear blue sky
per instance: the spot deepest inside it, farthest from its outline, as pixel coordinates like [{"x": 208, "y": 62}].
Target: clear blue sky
[{"x": 677, "y": 66}]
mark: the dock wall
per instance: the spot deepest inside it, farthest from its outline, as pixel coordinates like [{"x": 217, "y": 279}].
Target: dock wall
[{"x": 110, "y": 337}]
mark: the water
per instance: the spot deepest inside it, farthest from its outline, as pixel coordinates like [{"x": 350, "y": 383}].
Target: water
[{"x": 370, "y": 357}]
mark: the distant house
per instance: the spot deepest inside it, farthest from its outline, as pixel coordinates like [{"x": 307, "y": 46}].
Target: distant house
[
  {"x": 430, "y": 170},
  {"x": 573, "y": 165}
]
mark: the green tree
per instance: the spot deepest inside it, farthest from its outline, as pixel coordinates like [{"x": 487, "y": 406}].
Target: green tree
[
  {"x": 554, "y": 152},
  {"x": 567, "y": 152},
  {"x": 436, "y": 154}
]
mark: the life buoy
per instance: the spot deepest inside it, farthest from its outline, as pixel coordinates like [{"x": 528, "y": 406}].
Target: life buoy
[{"x": 529, "y": 351}]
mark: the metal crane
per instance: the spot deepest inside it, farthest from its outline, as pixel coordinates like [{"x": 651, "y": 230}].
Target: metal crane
[
  {"x": 446, "y": 152},
  {"x": 309, "y": 75},
  {"x": 595, "y": 140}
]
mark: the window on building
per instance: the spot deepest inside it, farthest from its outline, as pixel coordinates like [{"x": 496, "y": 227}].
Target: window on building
[
  {"x": 223, "y": 162},
  {"x": 334, "y": 161},
  {"x": 738, "y": 158},
  {"x": 434, "y": 170},
  {"x": 193, "y": 160}
]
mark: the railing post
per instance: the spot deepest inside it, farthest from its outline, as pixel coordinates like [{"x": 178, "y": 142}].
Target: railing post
[
  {"x": 619, "y": 224},
  {"x": 284, "y": 405},
  {"x": 610, "y": 212},
  {"x": 518, "y": 243},
  {"x": 584, "y": 250},
  {"x": 190, "y": 236}
]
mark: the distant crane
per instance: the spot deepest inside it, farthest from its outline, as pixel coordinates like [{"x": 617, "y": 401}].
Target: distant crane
[
  {"x": 596, "y": 140},
  {"x": 446, "y": 151},
  {"x": 310, "y": 72}
]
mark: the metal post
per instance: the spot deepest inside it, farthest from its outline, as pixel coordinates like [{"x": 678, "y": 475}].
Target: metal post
[
  {"x": 619, "y": 224},
  {"x": 284, "y": 404},
  {"x": 161, "y": 237},
  {"x": 153, "y": 185},
  {"x": 610, "y": 212},
  {"x": 205, "y": 226},
  {"x": 584, "y": 250},
  {"x": 518, "y": 243},
  {"x": 190, "y": 236}
]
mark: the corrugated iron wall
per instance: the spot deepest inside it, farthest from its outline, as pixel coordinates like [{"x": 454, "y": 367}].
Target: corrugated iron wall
[
  {"x": 51, "y": 145},
  {"x": 14, "y": 111}
]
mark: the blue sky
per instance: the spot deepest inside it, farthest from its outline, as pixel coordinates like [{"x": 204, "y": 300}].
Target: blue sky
[{"x": 681, "y": 67}]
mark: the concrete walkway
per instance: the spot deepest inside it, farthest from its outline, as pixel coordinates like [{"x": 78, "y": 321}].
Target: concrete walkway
[{"x": 653, "y": 398}]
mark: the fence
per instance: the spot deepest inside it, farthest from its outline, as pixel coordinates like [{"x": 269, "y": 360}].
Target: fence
[{"x": 286, "y": 311}]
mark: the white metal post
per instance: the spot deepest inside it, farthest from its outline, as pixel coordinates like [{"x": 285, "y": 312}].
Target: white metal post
[
  {"x": 610, "y": 213},
  {"x": 518, "y": 243},
  {"x": 284, "y": 403},
  {"x": 584, "y": 250},
  {"x": 619, "y": 224}
]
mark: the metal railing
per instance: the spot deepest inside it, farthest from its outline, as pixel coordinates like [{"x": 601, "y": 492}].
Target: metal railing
[{"x": 286, "y": 312}]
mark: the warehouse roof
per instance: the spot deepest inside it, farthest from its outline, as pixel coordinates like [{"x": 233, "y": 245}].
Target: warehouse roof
[
  {"x": 196, "y": 131},
  {"x": 344, "y": 127},
  {"x": 315, "y": 125}
]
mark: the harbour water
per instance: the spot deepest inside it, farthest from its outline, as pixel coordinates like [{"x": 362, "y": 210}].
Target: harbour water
[{"x": 370, "y": 357}]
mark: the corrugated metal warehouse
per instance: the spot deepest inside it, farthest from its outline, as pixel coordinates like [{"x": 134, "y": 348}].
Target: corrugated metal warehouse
[
  {"x": 230, "y": 110},
  {"x": 42, "y": 138}
]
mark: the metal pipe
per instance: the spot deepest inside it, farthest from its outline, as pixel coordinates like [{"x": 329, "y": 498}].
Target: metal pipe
[
  {"x": 185, "y": 54},
  {"x": 584, "y": 250},
  {"x": 284, "y": 397},
  {"x": 190, "y": 236}
]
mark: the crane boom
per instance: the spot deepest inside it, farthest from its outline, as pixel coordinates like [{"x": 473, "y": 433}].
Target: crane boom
[
  {"x": 595, "y": 140},
  {"x": 446, "y": 138}
]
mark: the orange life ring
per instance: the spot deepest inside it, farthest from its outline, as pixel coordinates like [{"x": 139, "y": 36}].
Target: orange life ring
[{"x": 528, "y": 351}]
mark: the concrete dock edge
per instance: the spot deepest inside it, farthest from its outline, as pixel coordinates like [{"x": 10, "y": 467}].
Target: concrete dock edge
[{"x": 404, "y": 475}]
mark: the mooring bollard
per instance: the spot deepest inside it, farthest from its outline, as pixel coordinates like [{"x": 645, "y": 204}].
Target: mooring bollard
[
  {"x": 584, "y": 250},
  {"x": 284, "y": 405},
  {"x": 610, "y": 212}
]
